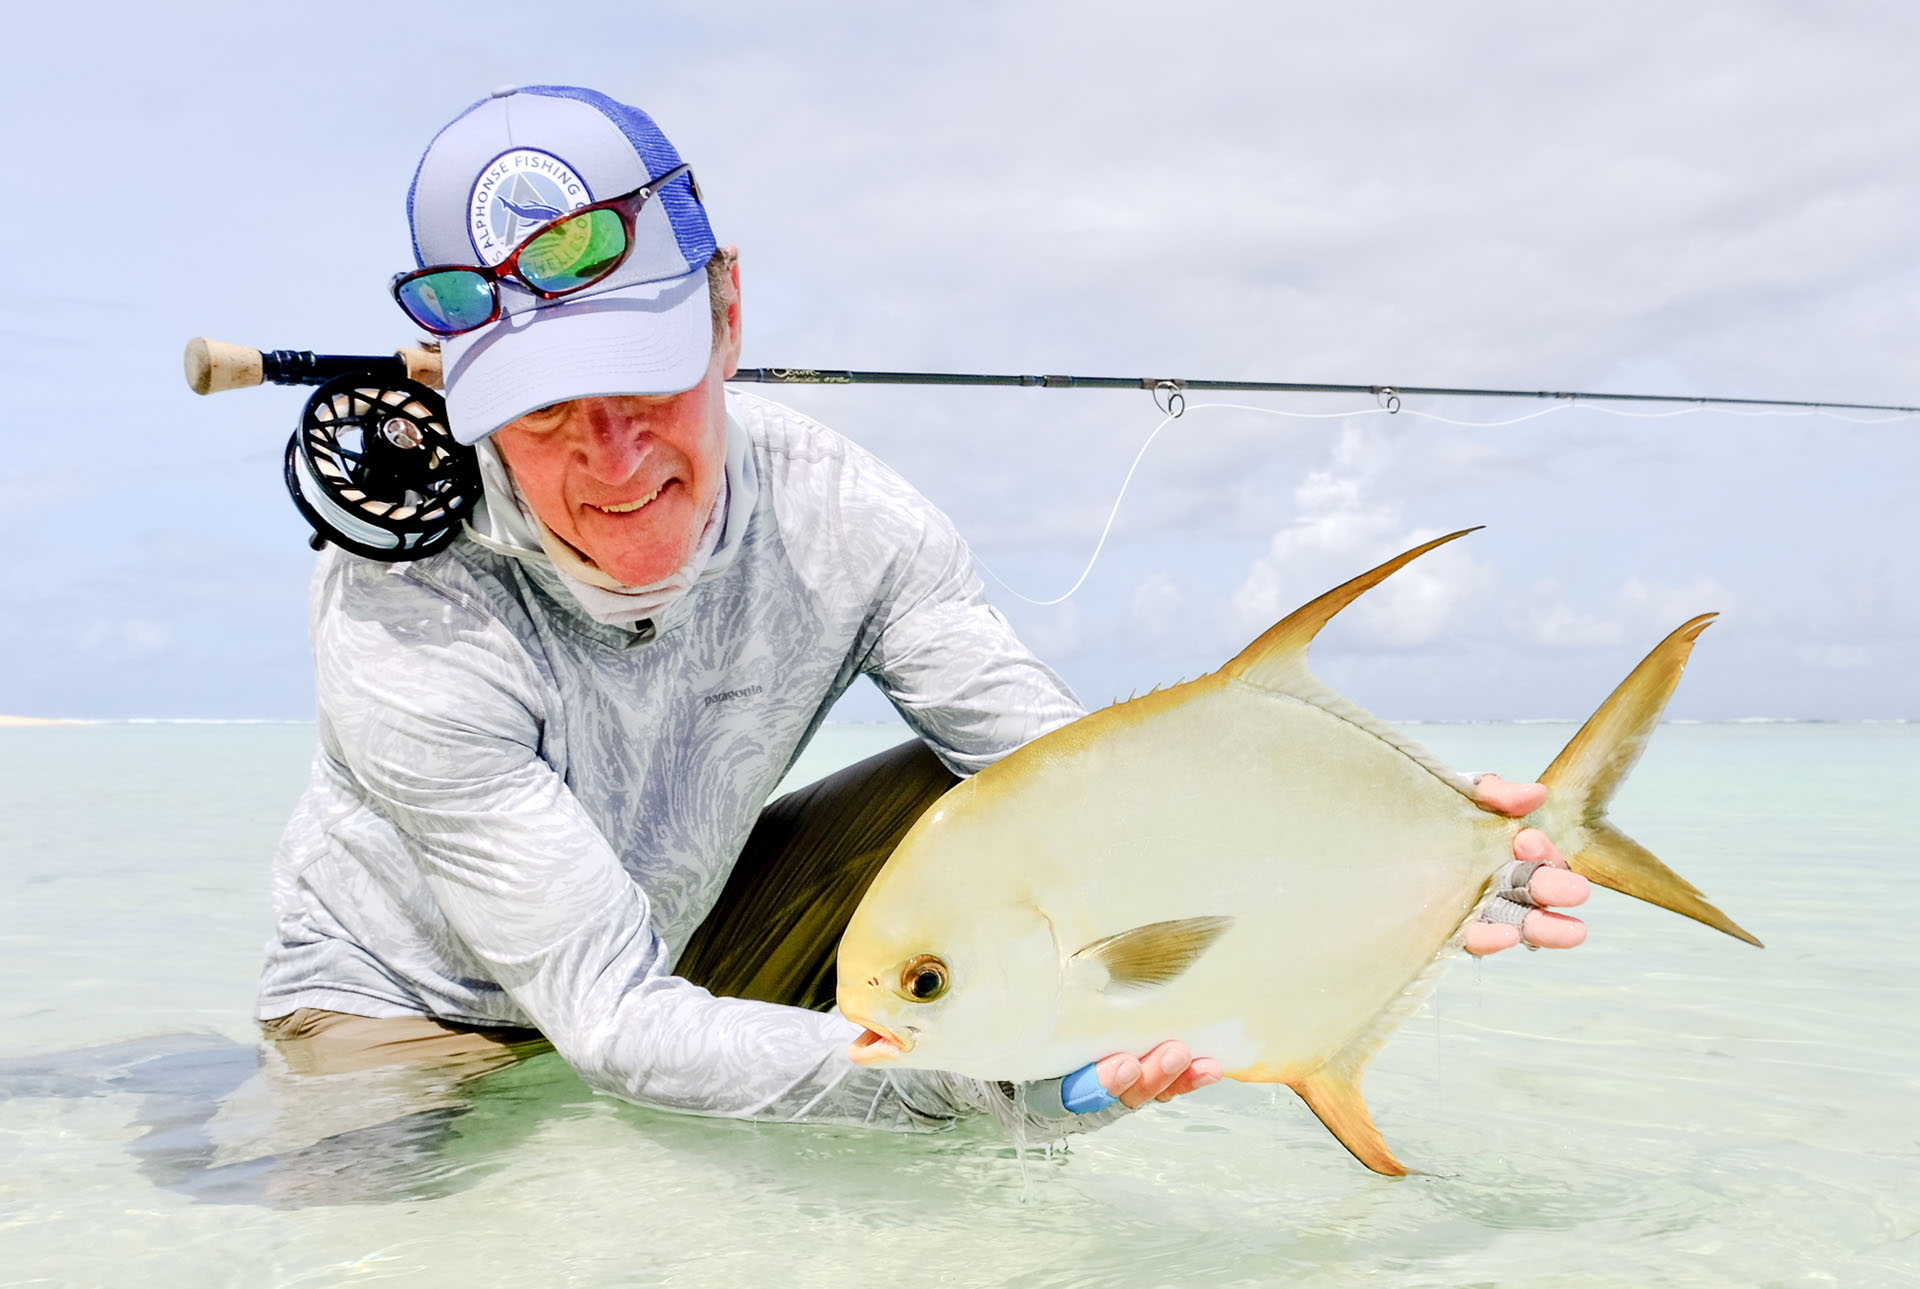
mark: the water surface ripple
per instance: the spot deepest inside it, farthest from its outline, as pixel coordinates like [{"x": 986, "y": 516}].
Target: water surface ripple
[{"x": 1664, "y": 1106}]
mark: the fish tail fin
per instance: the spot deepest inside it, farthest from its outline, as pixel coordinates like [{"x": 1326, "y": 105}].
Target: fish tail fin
[{"x": 1583, "y": 778}]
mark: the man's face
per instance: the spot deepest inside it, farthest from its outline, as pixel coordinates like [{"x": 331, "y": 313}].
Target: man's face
[{"x": 629, "y": 481}]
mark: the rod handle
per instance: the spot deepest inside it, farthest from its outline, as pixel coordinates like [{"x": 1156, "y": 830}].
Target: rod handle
[{"x": 214, "y": 365}]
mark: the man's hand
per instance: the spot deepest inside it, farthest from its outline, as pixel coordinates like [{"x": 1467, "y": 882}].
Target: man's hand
[
  {"x": 1553, "y": 884},
  {"x": 1164, "y": 1073}
]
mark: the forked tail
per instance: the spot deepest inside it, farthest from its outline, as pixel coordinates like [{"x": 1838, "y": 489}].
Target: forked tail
[{"x": 1583, "y": 778}]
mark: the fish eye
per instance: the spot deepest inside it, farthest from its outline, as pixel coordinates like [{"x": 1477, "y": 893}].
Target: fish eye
[{"x": 924, "y": 978}]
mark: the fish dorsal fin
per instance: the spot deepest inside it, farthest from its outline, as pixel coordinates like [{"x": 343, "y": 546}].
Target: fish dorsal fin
[
  {"x": 1153, "y": 954},
  {"x": 1278, "y": 659},
  {"x": 1332, "y": 1092}
]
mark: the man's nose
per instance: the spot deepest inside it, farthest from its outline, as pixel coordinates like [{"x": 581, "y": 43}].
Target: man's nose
[{"x": 613, "y": 440}]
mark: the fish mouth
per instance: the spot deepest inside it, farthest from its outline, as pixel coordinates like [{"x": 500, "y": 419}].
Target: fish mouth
[{"x": 877, "y": 1044}]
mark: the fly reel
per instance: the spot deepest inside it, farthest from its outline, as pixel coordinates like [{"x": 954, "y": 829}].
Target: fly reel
[{"x": 375, "y": 470}]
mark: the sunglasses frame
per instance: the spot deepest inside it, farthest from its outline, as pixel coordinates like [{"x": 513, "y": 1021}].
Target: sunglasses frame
[{"x": 627, "y": 206}]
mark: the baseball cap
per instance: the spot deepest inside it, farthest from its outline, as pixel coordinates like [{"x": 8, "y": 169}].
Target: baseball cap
[{"x": 511, "y": 162}]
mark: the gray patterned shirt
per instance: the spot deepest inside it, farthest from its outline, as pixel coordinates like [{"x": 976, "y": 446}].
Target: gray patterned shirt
[{"x": 518, "y": 815}]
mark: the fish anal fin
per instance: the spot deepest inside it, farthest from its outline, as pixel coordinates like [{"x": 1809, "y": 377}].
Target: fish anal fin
[
  {"x": 1333, "y": 1094},
  {"x": 1153, "y": 954},
  {"x": 1331, "y": 1088},
  {"x": 1277, "y": 660}
]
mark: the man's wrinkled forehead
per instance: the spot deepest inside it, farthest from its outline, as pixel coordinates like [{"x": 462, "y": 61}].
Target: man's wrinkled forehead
[{"x": 515, "y": 162}]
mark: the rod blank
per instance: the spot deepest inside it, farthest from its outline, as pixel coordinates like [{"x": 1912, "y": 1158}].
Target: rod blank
[
  {"x": 811, "y": 376},
  {"x": 213, "y": 366}
]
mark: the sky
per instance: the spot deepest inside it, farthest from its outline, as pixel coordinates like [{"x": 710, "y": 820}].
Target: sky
[{"x": 1711, "y": 199}]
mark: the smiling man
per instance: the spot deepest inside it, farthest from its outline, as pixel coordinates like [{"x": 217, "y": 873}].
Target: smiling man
[{"x": 538, "y": 814}]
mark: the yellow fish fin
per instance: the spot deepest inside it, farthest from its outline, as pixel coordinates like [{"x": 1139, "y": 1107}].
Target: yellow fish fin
[
  {"x": 1153, "y": 954},
  {"x": 1332, "y": 1088},
  {"x": 1277, "y": 661},
  {"x": 1332, "y": 1092},
  {"x": 1583, "y": 778},
  {"x": 1279, "y": 657}
]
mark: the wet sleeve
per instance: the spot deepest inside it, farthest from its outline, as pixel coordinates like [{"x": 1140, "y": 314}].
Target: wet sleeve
[
  {"x": 948, "y": 660},
  {"x": 440, "y": 723}
]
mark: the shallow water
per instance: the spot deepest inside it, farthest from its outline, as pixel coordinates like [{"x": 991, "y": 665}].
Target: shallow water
[{"x": 1664, "y": 1106}]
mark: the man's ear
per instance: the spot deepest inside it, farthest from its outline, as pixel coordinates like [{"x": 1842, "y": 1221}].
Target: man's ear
[{"x": 731, "y": 343}]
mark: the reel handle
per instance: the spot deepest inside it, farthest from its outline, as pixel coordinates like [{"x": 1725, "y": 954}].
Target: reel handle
[{"x": 214, "y": 365}]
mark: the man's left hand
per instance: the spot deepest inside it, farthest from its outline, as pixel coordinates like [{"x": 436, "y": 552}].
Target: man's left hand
[
  {"x": 1553, "y": 884},
  {"x": 1161, "y": 1075}
]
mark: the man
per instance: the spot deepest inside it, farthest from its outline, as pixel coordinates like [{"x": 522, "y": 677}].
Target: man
[{"x": 536, "y": 815}]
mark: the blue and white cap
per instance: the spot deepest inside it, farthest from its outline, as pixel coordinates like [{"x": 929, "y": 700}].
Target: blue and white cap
[{"x": 508, "y": 164}]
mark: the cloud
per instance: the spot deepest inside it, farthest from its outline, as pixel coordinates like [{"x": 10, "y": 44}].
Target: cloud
[
  {"x": 1055, "y": 633},
  {"x": 1157, "y": 612},
  {"x": 1488, "y": 194},
  {"x": 123, "y": 640},
  {"x": 1343, "y": 527},
  {"x": 1837, "y": 657},
  {"x": 1643, "y": 609},
  {"x": 1645, "y": 605},
  {"x": 1545, "y": 619}
]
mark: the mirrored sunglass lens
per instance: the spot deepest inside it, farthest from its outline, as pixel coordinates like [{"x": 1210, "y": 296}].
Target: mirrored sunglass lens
[
  {"x": 450, "y": 301},
  {"x": 573, "y": 252}
]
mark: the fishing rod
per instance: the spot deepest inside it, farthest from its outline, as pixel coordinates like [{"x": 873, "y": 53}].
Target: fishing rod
[
  {"x": 213, "y": 366},
  {"x": 1168, "y": 386},
  {"x": 373, "y": 467}
]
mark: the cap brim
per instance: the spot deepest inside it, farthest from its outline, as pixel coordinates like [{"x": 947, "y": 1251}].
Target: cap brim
[{"x": 648, "y": 338}]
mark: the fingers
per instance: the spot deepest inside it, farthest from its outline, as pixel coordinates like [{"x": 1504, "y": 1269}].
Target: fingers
[
  {"x": 1202, "y": 1073},
  {"x": 1490, "y": 937},
  {"x": 1556, "y": 884},
  {"x": 1552, "y": 884},
  {"x": 1503, "y": 797},
  {"x": 1542, "y": 929},
  {"x": 1553, "y": 930},
  {"x": 1166, "y": 1072},
  {"x": 1558, "y": 887},
  {"x": 1530, "y": 844}
]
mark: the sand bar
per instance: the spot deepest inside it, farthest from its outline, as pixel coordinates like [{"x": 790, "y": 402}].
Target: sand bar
[{"x": 37, "y": 720}]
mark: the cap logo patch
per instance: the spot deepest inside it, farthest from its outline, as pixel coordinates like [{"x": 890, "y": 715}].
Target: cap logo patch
[{"x": 516, "y": 193}]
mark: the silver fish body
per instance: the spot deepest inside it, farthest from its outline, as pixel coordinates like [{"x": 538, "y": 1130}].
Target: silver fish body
[{"x": 1246, "y": 862}]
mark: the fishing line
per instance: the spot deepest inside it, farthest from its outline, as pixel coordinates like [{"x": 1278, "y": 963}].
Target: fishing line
[{"x": 1390, "y": 406}]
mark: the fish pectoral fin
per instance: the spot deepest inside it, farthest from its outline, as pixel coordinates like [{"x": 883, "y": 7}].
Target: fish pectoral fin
[
  {"x": 1153, "y": 954},
  {"x": 1334, "y": 1097}
]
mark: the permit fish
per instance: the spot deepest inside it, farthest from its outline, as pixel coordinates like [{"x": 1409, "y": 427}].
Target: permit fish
[{"x": 1247, "y": 862}]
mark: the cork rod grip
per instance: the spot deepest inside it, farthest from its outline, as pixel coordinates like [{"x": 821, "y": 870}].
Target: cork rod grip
[{"x": 213, "y": 365}]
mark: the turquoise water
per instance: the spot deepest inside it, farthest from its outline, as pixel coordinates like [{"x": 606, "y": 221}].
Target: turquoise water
[{"x": 1664, "y": 1106}]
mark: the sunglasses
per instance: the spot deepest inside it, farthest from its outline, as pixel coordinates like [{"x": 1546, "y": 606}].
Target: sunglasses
[{"x": 560, "y": 257}]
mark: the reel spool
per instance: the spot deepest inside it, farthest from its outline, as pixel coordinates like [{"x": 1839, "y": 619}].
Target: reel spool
[{"x": 375, "y": 470}]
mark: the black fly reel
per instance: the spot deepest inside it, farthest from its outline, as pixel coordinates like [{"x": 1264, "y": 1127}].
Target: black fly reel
[{"x": 375, "y": 470}]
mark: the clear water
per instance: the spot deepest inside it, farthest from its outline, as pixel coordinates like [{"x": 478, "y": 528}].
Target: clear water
[{"x": 1662, "y": 1107}]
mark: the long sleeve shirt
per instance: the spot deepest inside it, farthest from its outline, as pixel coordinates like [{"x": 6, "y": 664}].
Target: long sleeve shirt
[{"x": 518, "y": 815}]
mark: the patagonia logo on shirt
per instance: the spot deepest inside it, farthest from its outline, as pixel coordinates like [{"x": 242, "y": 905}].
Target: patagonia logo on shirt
[{"x": 726, "y": 694}]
